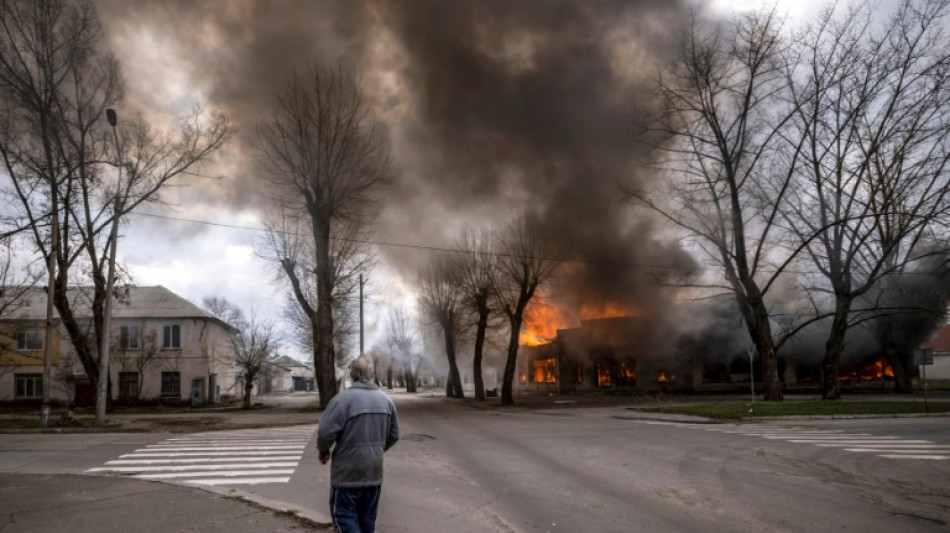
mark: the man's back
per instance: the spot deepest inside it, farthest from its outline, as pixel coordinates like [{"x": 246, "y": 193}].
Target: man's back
[{"x": 362, "y": 422}]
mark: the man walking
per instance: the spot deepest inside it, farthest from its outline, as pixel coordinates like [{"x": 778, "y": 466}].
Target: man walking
[{"x": 362, "y": 422}]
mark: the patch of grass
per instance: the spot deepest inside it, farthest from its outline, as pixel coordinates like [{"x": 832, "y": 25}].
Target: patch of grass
[
  {"x": 736, "y": 410},
  {"x": 20, "y": 423},
  {"x": 184, "y": 421},
  {"x": 312, "y": 407},
  {"x": 254, "y": 407},
  {"x": 34, "y": 423}
]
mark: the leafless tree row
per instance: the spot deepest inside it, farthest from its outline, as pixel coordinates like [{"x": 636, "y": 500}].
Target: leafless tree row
[
  {"x": 68, "y": 176},
  {"x": 491, "y": 279},
  {"x": 817, "y": 155}
]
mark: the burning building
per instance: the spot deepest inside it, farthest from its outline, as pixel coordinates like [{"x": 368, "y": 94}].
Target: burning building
[
  {"x": 631, "y": 354},
  {"x": 602, "y": 354}
]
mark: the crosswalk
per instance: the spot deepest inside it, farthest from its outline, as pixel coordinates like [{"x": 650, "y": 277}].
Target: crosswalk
[
  {"x": 888, "y": 446},
  {"x": 239, "y": 457}
]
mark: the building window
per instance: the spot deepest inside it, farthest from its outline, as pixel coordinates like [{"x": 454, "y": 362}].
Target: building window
[
  {"x": 29, "y": 385},
  {"x": 579, "y": 372},
  {"x": 129, "y": 384},
  {"x": 545, "y": 370},
  {"x": 29, "y": 340},
  {"x": 604, "y": 378},
  {"x": 628, "y": 373},
  {"x": 171, "y": 384},
  {"x": 171, "y": 337},
  {"x": 129, "y": 337}
]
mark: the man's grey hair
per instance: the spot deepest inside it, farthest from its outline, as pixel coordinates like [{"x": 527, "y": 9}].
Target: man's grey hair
[{"x": 361, "y": 369}]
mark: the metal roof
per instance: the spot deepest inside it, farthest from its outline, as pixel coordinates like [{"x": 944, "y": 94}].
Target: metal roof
[{"x": 141, "y": 302}]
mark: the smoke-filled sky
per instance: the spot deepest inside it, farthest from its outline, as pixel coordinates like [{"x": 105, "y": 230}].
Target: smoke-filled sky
[{"x": 492, "y": 107}]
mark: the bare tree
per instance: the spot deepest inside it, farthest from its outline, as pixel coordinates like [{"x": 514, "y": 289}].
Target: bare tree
[
  {"x": 474, "y": 267},
  {"x": 253, "y": 345},
  {"x": 221, "y": 308},
  {"x": 136, "y": 356},
  {"x": 55, "y": 86},
  {"x": 873, "y": 110},
  {"x": 524, "y": 264},
  {"x": 719, "y": 128},
  {"x": 440, "y": 299},
  {"x": 400, "y": 335},
  {"x": 327, "y": 159}
]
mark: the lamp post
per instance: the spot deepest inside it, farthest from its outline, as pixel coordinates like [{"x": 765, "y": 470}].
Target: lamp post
[{"x": 104, "y": 341}]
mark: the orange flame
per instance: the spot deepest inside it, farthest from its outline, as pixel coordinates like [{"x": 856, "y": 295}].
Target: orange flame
[
  {"x": 545, "y": 370},
  {"x": 874, "y": 371},
  {"x": 543, "y": 320}
]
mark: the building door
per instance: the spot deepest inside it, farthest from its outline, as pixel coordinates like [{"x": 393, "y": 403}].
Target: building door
[
  {"x": 85, "y": 395},
  {"x": 197, "y": 392}
]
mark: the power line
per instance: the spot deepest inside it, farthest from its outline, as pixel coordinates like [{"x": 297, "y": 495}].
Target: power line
[
  {"x": 455, "y": 250},
  {"x": 417, "y": 246}
]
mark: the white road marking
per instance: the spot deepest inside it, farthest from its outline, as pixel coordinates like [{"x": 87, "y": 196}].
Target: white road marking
[
  {"x": 240, "y": 481},
  {"x": 858, "y": 441},
  {"x": 917, "y": 451},
  {"x": 828, "y": 437},
  {"x": 196, "y": 454},
  {"x": 181, "y": 468},
  {"x": 154, "y": 448},
  {"x": 927, "y": 457},
  {"x": 887, "y": 446},
  {"x": 225, "y": 473},
  {"x": 203, "y": 460},
  {"x": 237, "y": 457}
]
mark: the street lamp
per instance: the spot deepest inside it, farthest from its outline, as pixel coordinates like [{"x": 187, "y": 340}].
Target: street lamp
[{"x": 102, "y": 392}]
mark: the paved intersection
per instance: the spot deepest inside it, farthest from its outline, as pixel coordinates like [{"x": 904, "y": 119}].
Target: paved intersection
[{"x": 240, "y": 457}]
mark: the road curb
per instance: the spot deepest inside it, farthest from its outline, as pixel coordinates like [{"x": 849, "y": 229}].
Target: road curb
[{"x": 312, "y": 517}]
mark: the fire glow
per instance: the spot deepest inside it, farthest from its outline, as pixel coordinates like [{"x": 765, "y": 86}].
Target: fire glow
[
  {"x": 874, "y": 371},
  {"x": 543, "y": 321}
]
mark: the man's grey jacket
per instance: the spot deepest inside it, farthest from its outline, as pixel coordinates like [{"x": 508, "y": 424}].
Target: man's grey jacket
[{"x": 362, "y": 422}]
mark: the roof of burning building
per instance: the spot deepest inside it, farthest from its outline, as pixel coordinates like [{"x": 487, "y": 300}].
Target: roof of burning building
[{"x": 940, "y": 342}]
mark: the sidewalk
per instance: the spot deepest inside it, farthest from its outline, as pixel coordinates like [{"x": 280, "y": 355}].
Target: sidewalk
[
  {"x": 278, "y": 410},
  {"x": 93, "y": 504}
]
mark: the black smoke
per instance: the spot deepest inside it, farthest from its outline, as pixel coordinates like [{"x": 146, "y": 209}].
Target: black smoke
[{"x": 492, "y": 106}]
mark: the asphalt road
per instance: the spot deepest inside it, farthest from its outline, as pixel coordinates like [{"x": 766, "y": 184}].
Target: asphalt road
[{"x": 474, "y": 470}]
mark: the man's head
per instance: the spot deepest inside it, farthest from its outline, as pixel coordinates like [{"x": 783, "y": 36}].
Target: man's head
[{"x": 361, "y": 370}]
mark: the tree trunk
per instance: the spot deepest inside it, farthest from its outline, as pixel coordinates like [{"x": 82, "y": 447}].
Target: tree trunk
[
  {"x": 507, "y": 398},
  {"x": 324, "y": 374},
  {"x": 324, "y": 355},
  {"x": 834, "y": 347},
  {"x": 455, "y": 391},
  {"x": 248, "y": 387},
  {"x": 756, "y": 317},
  {"x": 771, "y": 382},
  {"x": 477, "y": 360},
  {"x": 77, "y": 336},
  {"x": 389, "y": 373},
  {"x": 898, "y": 356},
  {"x": 899, "y": 360},
  {"x": 407, "y": 373}
]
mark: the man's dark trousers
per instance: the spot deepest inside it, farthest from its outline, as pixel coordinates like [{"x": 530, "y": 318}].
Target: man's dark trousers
[{"x": 354, "y": 509}]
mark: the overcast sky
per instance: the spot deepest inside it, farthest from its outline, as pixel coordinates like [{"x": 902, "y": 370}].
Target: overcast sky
[{"x": 489, "y": 105}]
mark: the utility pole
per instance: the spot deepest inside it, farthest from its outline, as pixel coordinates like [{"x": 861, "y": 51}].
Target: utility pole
[
  {"x": 361, "y": 315},
  {"x": 104, "y": 341}
]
